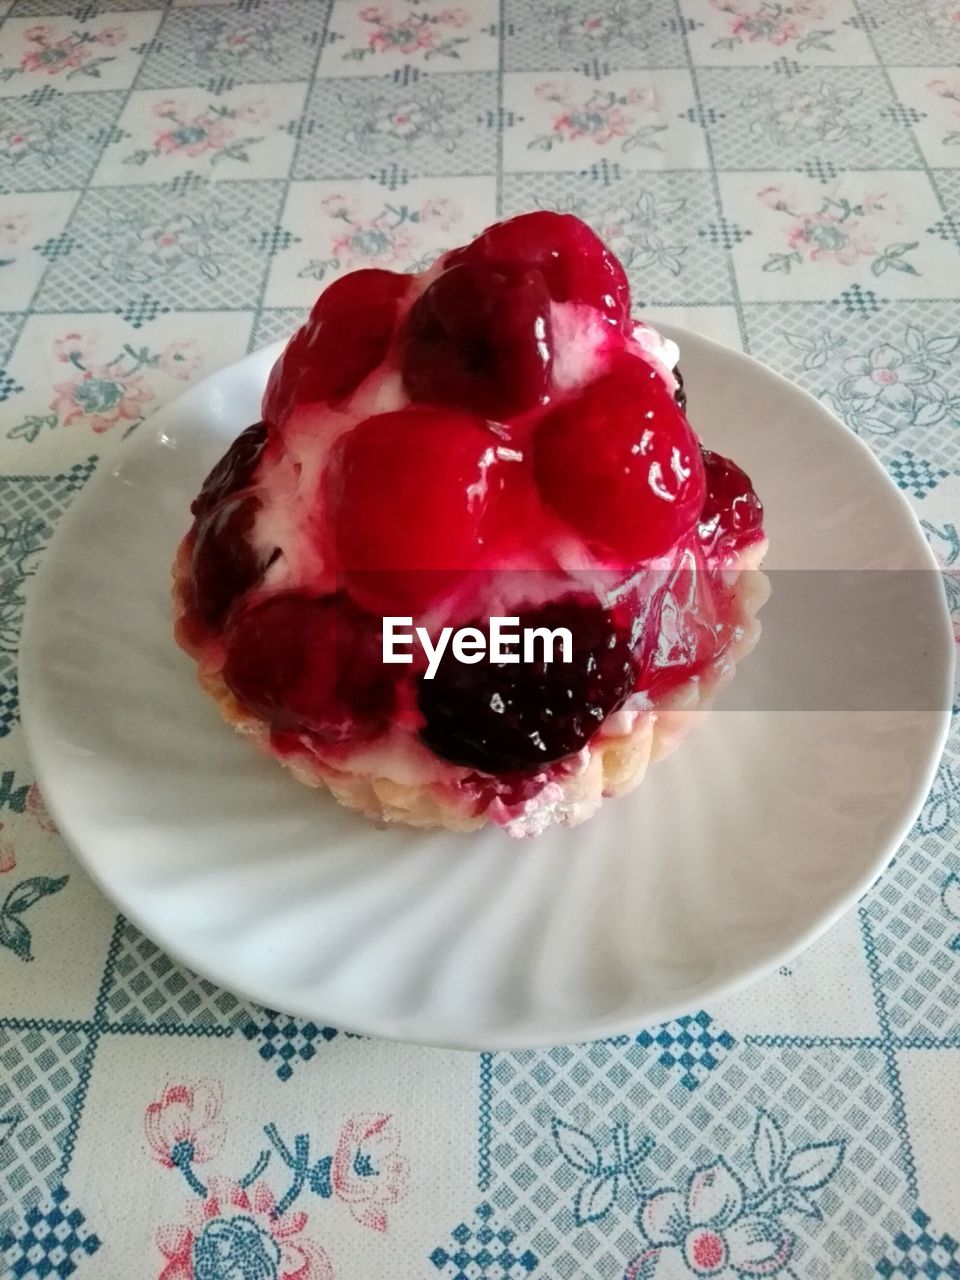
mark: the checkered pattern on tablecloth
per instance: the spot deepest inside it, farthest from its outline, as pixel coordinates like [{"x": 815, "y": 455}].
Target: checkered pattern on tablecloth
[{"x": 176, "y": 184}]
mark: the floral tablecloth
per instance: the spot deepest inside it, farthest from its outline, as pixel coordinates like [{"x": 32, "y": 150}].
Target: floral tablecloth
[{"x": 176, "y": 183}]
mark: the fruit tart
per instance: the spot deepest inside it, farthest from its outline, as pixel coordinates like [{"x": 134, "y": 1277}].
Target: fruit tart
[{"x": 493, "y": 441}]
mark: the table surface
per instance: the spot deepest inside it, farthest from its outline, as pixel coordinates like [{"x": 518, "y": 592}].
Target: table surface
[{"x": 176, "y": 184}]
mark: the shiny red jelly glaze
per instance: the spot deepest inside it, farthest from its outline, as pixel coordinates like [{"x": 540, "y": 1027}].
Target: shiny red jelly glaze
[
  {"x": 574, "y": 261},
  {"x": 234, "y": 471},
  {"x": 681, "y": 632},
  {"x": 620, "y": 462},
  {"x": 479, "y": 339},
  {"x": 311, "y": 665},
  {"x": 732, "y": 515},
  {"x": 345, "y": 338},
  {"x": 224, "y": 562},
  {"x": 405, "y": 494}
]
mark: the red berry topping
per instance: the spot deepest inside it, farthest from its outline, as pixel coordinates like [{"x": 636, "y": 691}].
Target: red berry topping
[
  {"x": 681, "y": 632},
  {"x": 498, "y": 718},
  {"x": 303, "y": 663},
  {"x": 680, "y": 395},
  {"x": 346, "y": 337},
  {"x": 225, "y": 563},
  {"x": 234, "y": 471},
  {"x": 405, "y": 493},
  {"x": 479, "y": 338},
  {"x": 574, "y": 262},
  {"x": 620, "y": 462},
  {"x": 732, "y": 513}
]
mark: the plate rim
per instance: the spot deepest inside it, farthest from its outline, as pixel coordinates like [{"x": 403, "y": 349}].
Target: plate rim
[{"x": 29, "y": 679}]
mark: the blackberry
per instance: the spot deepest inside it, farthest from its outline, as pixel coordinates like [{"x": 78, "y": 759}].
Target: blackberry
[
  {"x": 225, "y": 563},
  {"x": 732, "y": 514},
  {"x": 234, "y": 470},
  {"x": 499, "y": 718}
]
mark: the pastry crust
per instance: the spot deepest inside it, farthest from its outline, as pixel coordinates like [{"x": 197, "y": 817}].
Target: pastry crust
[{"x": 612, "y": 764}]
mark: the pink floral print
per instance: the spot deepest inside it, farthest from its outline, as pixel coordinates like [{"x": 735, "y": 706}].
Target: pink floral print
[
  {"x": 38, "y": 810},
  {"x": 191, "y": 135},
  {"x": 103, "y": 396},
  {"x": 937, "y": 17},
  {"x": 629, "y": 119},
  {"x": 415, "y": 31},
  {"x": 773, "y": 24},
  {"x": 838, "y": 231},
  {"x": 404, "y": 38},
  {"x": 15, "y": 145},
  {"x": 237, "y": 44},
  {"x": 949, "y": 90},
  {"x": 391, "y": 237},
  {"x": 822, "y": 236},
  {"x": 709, "y": 1226},
  {"x": 73, "y": 348},
  {"x": 368, "y": 1173},
  {"x": 614, "y": 22},
  {"x": 13, "y": 227},
  {"x": 444, "y": 213},
  {"x": 382, "y": 237},
  {"x": 105, "y": 393},
  {"x": 69, "y": 55},
  {"x": 8, "y": 854},
  {"x": 212, "y": 132},
  {"x": 185, "y": 1116},
  {"x": 179, "y": 360},
  {"x": 235, "y": 1227}
]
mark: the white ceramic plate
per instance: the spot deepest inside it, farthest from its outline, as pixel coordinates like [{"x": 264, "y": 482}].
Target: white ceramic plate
[{"x": 732, "y": 856}]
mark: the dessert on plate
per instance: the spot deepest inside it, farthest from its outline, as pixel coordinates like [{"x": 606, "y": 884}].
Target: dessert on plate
[{"x": 494, "y": 438}]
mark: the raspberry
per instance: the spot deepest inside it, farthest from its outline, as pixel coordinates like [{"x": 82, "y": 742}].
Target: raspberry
[
  {"x": 499, "y": 718},
  {"x": 405, "y": 493},
  {"x": 574, "y": 262},
  {"x": 620, "y": 462},
  {"x": 346, "y": 337},
  {"x": 224, "y": 563},
  {"x": 479, "y": 338},
  {"x": 732, "y": 513},
  {"x": 311, "y": 664},
  {"x": 234, "y": 471}
]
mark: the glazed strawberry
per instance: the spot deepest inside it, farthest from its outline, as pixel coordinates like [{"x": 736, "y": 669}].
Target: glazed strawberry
[
  {"x": 500, "y": 717},
  {"x": 310, "y": 664},
  {"x": 620, "y": 462},
  {"x": 345, "y": 338},
  {"x": 234, "y": 471},
  {"x": 574, "y": 262},
  {"x": 732, "y": 515},
  {"x": 224, "y": 563},
  {"x": 479, "y": 338},
  {"x": 405, "y": 493}
]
